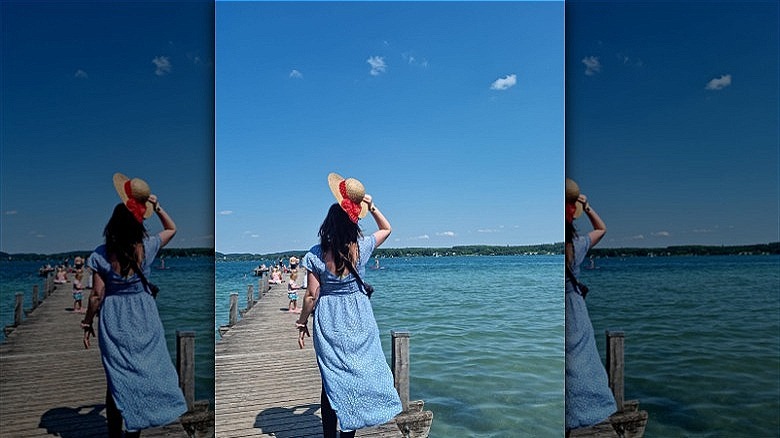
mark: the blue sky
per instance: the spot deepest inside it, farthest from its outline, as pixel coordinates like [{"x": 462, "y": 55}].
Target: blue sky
[
  {"x": 451, "y": 114},
  {"x": 89, "y": 89},
  {"x": 672, "y": 120}
]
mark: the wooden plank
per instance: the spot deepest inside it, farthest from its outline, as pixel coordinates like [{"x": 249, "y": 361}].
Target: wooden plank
[
  {"x": 265, "y": 384},
  {"x": 49, "y": 383}
]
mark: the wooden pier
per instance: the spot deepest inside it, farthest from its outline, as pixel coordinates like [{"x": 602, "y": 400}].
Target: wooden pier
[
  {"x": 628, "y": 421},
  {"x": 267, "y": 386},
  {"x": 52, "y": 386}
]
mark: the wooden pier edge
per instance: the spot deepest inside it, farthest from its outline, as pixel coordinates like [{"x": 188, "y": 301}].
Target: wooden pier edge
[
  {"x": 197, "y": 422},
  {"x": 628, "y": 421}
]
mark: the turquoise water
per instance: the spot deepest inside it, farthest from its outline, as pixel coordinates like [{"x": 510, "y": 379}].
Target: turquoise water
[
  {"x": 702, "y": 340},
  {"x": 185, "y": 302},
  {"x": 487, "y": 337}
]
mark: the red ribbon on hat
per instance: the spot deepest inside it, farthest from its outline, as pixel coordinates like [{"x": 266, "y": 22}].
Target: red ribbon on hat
[
  {"x": 352, "y": 209},
  {"x": 137, "y": 208},
  {"x": 570, "y": 210}
]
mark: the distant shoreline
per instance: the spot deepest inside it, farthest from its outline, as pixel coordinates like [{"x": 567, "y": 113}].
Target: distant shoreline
[
  {"x": 58, "y": 257},
  {"x": 772, "y": 248},
  {"x": 541, "y": 249}
]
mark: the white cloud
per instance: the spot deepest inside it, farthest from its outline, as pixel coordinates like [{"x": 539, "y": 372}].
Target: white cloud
[
  {"x": 11, "y": 212},
  {"x": 662, "y": 234},
  {"x": 423, "y": 237},
  {"x": 377, "y": 64},
  {"x": 446, "y": 233},
  {"x": 255, "y": 236},
  {"x": 504, "y": 83},
  {"x": 410, "y": 59},
  {"x": 637, "y": 237},
  {"x": 719, "y": 83},
  {"x": 81, "y": 74},
  {"x": 487, "y": 230},
  {"x": 226, "y": 212},
  {"x": 592, "y": 65},
  {"x": 163, "y": 65},
  {"x": 295, "y": 74}
]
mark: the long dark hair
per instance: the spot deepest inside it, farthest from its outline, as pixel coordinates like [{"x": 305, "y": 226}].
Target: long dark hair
[
  {"x": 571, "y": 233},
  {"x": 122, "y": 232},
  {"x": 337, "y": 232}
]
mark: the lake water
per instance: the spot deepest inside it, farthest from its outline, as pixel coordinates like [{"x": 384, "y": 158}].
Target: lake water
[
  {"x": 702, "y": 344},
  {"x": 185, "y": 302},
  {"x": 486, "y": 337},
  {"x": 702, "y": 335}
]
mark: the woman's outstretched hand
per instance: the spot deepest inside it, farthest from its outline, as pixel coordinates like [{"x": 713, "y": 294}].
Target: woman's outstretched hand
[
  {"x": 303, "y": 329},
  {"x": 88, "y": 330}
]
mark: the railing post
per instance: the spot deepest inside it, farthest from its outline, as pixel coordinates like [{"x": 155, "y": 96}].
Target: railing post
[
  {"x": 400, "y": 358},
  {"x": 615, "y": 366},
  {"x": 233, "y": 309},
  {"x": 18, "y": 312},
  {"x": 49, "y": 285},
  {"x": 250, "y": 297},
  {"x": 185, "y": 364},
  {"x": 35, "y": 296}
]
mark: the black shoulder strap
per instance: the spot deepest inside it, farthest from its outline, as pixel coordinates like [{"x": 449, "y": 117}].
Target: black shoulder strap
[
  {"x": 140, "y": 273},
  {"x": 353, "y": 271}
]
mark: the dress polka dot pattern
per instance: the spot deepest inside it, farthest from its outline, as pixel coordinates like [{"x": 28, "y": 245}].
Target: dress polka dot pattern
[{"x": 355, "y": 374}]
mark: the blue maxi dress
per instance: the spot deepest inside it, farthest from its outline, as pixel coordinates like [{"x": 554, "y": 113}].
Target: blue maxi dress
[
  {"x": 589, "y": 400},
  {"x": 355, "y": 375},
  {"x": 139, "y": 370}
]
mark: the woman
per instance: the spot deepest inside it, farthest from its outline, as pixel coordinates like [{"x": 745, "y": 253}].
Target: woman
[
  {"x": 357, "y": 385},
  {"x": 142, "y": 381},
  {"x": 589, "y": 400}
]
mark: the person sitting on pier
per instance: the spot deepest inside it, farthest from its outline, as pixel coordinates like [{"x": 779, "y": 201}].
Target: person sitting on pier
[
  {"x": 589, "y": 400},
  {"x": 143, "y": 386},
  {"x": 276, "y": 276},
  {"x": 357, "y": 384},
  {"x": 61, "y": 276},
  {"x": 292, "y": 293}
]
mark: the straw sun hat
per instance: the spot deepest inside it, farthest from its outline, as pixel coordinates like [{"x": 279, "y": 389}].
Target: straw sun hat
[
  {"x": 134, "y": 193},
  {"x": 349, "y": 194},
  {"x": 572, "y": 193}
]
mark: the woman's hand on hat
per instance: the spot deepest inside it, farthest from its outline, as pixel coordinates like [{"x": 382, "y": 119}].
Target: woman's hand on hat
[
  {"x": 582, "y": 199},
  {"x": 368, "y": 200}
]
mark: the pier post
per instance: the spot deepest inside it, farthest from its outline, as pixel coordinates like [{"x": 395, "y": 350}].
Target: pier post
[
  {"x": 35, "y": 296},
  {"x": 18, "y": 312},
  {"x": 400, "y": 358},
  {"x": 49, "y": 285},
  {"x": 615, "y": 365},
  {"x": 250, "y": 297},
  {"x": 185, "y": 364},
  {"x": 233, "y": 309}
]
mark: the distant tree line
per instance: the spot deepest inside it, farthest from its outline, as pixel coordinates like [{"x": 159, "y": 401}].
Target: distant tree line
[
  {"x": 699, "y": 250},
  {"x": 467, "y": 250},
  {"x": 61, "y": 256}
]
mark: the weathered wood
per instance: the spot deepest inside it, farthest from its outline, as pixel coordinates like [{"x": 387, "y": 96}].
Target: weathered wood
[
  {"x": 233, "y": 309},
  {"x": 50, "y": 384},
  {"x": 250, "y": 297},
  {"x": 35, "y": 297},
  {"x": 400, "y": 365},
  {"x": 185, "y": 364},
  {"x": 18, "y": 311},
  {"x": 50, "y": 285},
  {"x": 615, "y": 365},
  {"x": 265, "y": 384}
]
